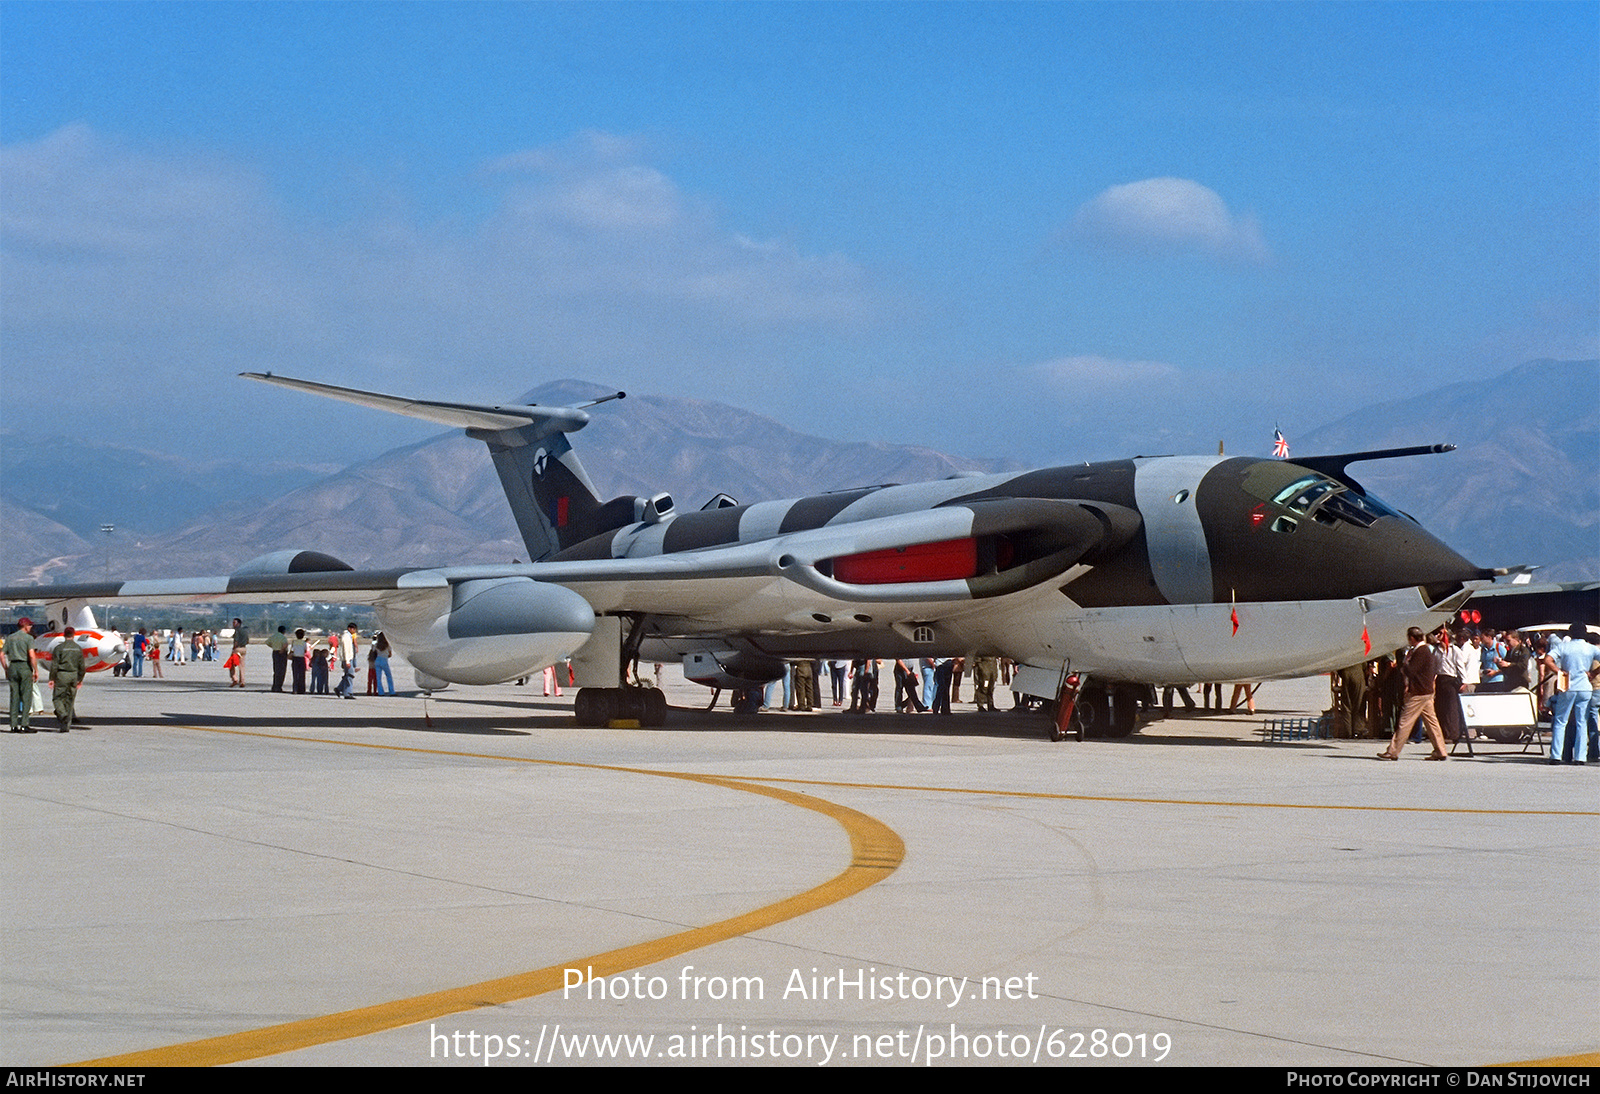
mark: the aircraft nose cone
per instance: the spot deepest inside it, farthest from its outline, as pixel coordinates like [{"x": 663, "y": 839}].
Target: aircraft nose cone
[
  {"x": 1403, "y": 553},
  {"x": 1279, "y": 531}
]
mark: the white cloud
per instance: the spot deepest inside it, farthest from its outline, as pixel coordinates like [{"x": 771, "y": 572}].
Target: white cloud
[
  {"x": 96, "y": 234},
  {"x": 585, "y": 151},
  {"x": 101, "y": 234},
  {"x": 1168, "y": 214},
  {"x": 151, "y": 277},
  {"x": 587, "y": 219}
]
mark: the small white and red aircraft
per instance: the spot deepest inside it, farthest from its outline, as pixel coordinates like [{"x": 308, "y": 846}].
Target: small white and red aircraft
[{"x": 102, "y": 649}]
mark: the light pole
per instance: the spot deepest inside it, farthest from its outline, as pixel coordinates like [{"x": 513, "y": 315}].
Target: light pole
[{"x": 108, "y": 529}]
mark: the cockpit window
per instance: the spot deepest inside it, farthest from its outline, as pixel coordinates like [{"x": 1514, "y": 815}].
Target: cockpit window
[
  {"x": 1327, "y": 501},
  {"x": 1374, "y": 506},
  {"x": 1350, "y": 506},
  {"x": 1301, "y": 494}
]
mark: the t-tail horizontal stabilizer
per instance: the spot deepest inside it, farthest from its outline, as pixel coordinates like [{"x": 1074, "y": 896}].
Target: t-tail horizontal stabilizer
[
  {"x": 551, "y": 496},
  {"x": 563, "y": 419}
]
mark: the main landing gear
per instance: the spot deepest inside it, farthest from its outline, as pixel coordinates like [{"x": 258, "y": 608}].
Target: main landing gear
[
  {"x": 1084, "y": 710},
  {"x": 604, "y": 659},
  {"x": 602, "y": 706}
]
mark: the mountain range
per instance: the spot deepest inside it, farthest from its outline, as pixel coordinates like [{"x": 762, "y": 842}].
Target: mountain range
[
  {"x": 1523, "y": 487},
  {"x": 427, "y": 503}
]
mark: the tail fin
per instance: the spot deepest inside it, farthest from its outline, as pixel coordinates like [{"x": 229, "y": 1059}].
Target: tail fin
[{"x": 551, "y": 496}]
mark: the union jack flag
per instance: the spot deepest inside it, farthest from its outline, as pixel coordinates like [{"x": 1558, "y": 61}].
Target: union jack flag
[{"x": 1280, "y": 445}]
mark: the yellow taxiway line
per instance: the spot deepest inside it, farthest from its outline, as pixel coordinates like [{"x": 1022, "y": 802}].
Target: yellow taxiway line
[
  {"x": 875, "y": 852},
  {"x": 1214, "y": 803}
]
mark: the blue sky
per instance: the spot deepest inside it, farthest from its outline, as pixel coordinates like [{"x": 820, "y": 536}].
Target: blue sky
[{"x": 1046, "y": 231}]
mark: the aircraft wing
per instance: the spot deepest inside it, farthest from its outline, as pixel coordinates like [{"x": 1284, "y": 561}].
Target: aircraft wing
[
  {"x": 484, "y": 624},
  {"x": 377, "y": 586},
  {"x": 883, "y": 561},
  {"x": 348, "y": 587}
]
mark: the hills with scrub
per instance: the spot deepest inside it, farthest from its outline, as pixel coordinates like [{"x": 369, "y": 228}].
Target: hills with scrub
[{"x": 1522, "y": 488}]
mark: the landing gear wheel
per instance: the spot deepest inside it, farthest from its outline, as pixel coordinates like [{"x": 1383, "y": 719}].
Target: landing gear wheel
[
  {"x": 655, "y": 708},
  {"x": 592, "y": 706},
  {"x": 601, "y": 706},
  {"x": 630, "y": 705},
  {"x": 1092, "y": 716},
  {"x": 1124, "y": 711}
]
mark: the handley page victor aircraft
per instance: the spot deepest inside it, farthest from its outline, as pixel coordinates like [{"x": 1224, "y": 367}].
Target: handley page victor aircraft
[{"x": 1169, "y": 569}]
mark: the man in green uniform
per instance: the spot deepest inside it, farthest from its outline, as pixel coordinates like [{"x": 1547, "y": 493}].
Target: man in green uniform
[
  {"x": 66, "y": 673},
  {"x": 22, "y": 669},
  {"x": 805, "y": 686},
  {"x": 985, "y": 671}
]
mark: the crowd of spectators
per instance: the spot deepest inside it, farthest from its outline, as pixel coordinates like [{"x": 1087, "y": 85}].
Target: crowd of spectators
[
  {"x": 1558, "y": 668},
  {"x": 299, "y": 660}
]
